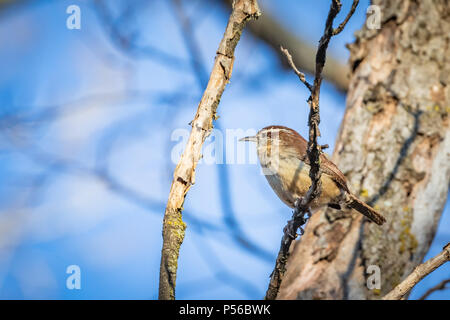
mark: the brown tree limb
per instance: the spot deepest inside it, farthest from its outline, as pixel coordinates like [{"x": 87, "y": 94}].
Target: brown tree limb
[
  {"x": 184, "y": 175},
  {"x": 420, "y": 272},
  {"x": 201, "y": 75},
  {"x": 302, "y": 210},
  {"x": 440, "y": 286}
]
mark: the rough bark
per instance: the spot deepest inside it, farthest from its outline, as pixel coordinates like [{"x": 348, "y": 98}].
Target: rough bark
[
  {"x": 394, "y": 147},
  {"x": 184, "y": 175}
]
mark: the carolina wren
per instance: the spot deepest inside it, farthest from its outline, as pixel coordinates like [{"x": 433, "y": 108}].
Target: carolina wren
[{"x": 282, "y": 153}]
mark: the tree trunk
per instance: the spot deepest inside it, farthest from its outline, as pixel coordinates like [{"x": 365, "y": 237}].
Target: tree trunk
[{"x": 394, "y": 147}]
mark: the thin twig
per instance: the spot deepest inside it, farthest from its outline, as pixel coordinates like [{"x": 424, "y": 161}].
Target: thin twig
[
  {"x": 184, "y": 175},
  {"x": 349, "y": 15},
  {"x": 302, "y": 211},
  {"x": 300, "y": 75},
  {"x": 420, "y": 272},
  {"x": 273, "y": 32},
  {"x": 440, "y": 286}
]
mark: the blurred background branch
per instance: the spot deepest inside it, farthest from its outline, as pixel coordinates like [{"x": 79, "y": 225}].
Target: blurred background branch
[{"x": 440, "y": 286}]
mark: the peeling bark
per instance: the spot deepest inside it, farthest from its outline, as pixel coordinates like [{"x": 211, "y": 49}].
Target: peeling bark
[{"x": 394, "y": 148}]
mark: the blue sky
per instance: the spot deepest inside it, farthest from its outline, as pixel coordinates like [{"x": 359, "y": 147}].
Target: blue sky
[{"x": 86, "y": 183}]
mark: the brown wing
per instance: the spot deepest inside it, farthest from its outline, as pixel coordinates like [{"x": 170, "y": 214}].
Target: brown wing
[
  {"x": 293, "y": 138},
  {"x": 332, "y": 170}
]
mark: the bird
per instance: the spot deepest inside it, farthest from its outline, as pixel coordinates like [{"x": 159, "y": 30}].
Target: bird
[{"x": 282, "y": 153}]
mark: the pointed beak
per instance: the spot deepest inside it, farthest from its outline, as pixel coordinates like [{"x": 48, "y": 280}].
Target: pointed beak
[{"x": 251, "y": 138}]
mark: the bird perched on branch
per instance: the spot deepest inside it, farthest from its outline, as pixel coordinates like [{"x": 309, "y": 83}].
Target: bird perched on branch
[{"x": 282, "y": 153}]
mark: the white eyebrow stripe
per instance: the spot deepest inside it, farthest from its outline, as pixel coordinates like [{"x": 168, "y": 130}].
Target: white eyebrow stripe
[{"x": 275, "y": 130}]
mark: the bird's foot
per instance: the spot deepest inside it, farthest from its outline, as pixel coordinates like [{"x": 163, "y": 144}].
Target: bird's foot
[{"x": 299, "y": 218}]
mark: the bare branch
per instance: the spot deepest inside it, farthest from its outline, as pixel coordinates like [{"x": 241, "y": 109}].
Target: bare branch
[
  {"x": 202, "y": 79},
  {"x": 420, "y": 272},
  {"x": 184, "y": 175},
  {"x": 300, "y": 75},
  {"x": 349, "y": 15},
  {"x": 273, "y": 33},
  {"x": 302, "y": 211}
]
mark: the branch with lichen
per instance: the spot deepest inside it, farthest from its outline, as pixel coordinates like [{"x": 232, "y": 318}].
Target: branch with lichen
[
  {"x": 184, "y": 175},
  {"x": 420, "y": 272}
]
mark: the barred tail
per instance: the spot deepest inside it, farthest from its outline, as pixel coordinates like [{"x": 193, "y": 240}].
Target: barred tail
[{"x": 366, "y": 210}]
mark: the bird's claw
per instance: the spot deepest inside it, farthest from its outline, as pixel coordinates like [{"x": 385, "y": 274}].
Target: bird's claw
[
  {"x": 299, "y": 219},
  {"x": 301, "y": 230}
]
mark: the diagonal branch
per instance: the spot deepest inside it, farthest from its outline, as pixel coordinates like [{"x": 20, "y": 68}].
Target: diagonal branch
[
  {"x": 420, "y": 272},
  {"x": 301, "y": 75},
  {"x": 202, "y": 79},
  {"x": 184, "y": 175},
  {"x": 302, "y": 210}
]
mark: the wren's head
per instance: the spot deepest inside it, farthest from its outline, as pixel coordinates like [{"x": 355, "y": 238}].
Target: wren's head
[{"x": 275, "y": 144}]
